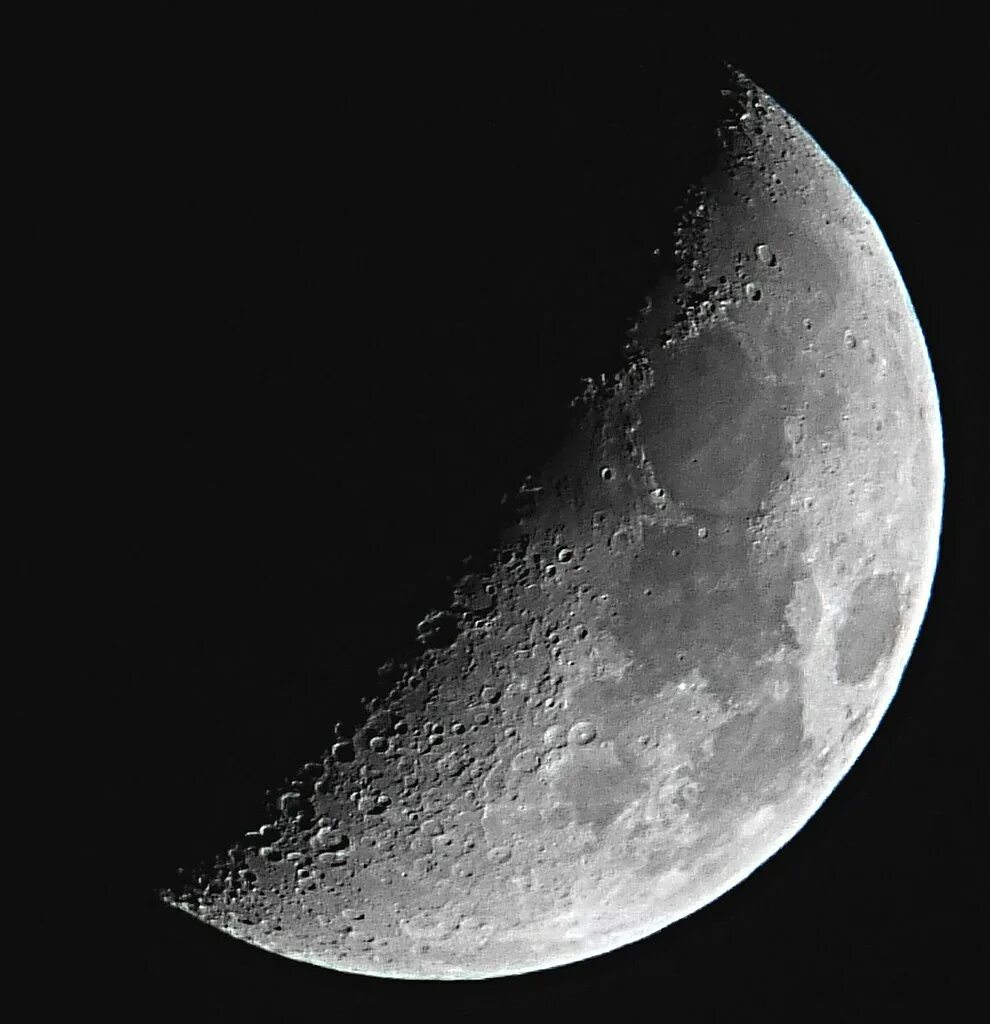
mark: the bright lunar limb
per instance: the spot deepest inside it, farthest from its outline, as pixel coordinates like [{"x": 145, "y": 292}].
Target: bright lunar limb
[{"x": 696, "y": 621}]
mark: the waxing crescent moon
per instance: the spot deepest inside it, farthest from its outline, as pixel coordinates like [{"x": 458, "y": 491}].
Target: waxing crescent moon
[{"x": 698, "y": 616}]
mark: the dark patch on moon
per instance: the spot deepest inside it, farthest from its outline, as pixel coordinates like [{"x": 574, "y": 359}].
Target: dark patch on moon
[
  {"x": 756, "y": 752},
  {"x": 661, "y": 861},
  {"x": 714, "y": 429},
  {"x": 869, "y": 629},
  {"x": 599, "y": 794},
  {"x": 706, "y": 608}
]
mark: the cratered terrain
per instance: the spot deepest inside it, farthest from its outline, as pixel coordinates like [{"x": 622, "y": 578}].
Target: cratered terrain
[{"x": 698, "y": 612}]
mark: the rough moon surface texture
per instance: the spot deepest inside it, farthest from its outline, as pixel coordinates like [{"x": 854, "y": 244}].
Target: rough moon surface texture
[{"x": 696, "y": 620}]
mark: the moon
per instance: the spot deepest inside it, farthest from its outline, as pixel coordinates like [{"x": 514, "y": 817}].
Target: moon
[{"x": 698, "y": 613}]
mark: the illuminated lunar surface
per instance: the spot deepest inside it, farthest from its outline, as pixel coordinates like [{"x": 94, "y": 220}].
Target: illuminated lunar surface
[{"x": 699, "y": 613}]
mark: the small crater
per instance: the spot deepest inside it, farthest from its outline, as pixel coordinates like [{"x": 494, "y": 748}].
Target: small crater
[
  {"x": 765, "y": 255},
  {"x": 436, "y": 630},
  {"x": 290, "y": 803},
  {"x": 526, "y": 761},
  {"x": 329, "y": 839},
  {"x": 582, "y": 733},
  {"x": 555, "y": 737}
]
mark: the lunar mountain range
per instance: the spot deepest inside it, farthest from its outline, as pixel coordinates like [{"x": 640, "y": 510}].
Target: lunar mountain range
[{"x": 700, "y": 609}]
